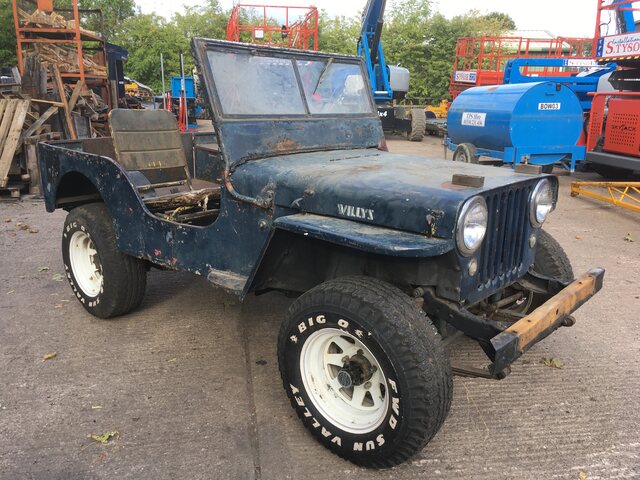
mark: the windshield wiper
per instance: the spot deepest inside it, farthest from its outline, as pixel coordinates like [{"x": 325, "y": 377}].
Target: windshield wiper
[{"x": 324, "y": 70}]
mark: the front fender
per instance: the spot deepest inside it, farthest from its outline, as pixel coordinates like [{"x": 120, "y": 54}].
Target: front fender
[{"x": 361, "y": 236}]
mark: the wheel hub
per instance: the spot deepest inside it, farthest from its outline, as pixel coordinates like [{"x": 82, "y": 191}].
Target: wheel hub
[{"x": 356, "y": 371}]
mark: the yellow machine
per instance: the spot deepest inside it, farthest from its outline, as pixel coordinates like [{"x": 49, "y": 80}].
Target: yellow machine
[
  {"x": 439, "y": 111},
  {"x": 137, "y": 89}
]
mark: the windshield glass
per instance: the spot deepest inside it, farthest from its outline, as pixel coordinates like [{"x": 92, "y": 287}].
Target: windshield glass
[
  {"x": 260, "y": 85},
  {"x": 333, "y": 87},
  {"x": 253, "y": 85}
]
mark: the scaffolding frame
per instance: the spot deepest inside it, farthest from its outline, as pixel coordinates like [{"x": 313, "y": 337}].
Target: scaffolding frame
[{"x": 301, "y": 34}]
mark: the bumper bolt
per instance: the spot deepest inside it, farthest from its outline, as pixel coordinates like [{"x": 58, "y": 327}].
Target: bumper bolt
[{"x": 473, "y": 267}]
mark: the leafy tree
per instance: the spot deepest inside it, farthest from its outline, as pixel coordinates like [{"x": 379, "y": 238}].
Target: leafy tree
[
  {"x": 147, "y": 36},
  {"x": 207, "y": 20},
  {"x": 7, "y": 35},
  {"x": 502, "y": 22},
  {"x": 113, "y": 13},
  {"x": 338, "y": 34}
]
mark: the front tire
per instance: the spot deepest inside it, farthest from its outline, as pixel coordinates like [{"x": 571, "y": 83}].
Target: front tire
[
  {"x": 551, "y": 261},
  {"x": 106, "y": 281},
  {"x": 365, "y": 370}
]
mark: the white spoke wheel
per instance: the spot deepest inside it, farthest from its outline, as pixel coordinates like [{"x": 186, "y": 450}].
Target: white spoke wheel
[
  {"x": 106, "y": 281},
  {"x": 85, "y": 263},
  {"x": 365, "y": 370},
  {"x": 344, "y": 380}
]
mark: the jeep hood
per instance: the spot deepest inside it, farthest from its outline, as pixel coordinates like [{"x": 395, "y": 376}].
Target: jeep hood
[{"x": 409, "y": 193}]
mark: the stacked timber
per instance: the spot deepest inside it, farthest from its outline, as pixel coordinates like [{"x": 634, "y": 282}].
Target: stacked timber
[
  {"x": 40, "y": 19},
  {"x": 42, "y": 111},
  {"x": 66, "y": 58}
]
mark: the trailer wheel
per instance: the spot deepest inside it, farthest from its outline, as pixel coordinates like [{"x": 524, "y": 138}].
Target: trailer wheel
[
  {"x": 418, "y": 125},
  {"x": 466, "y": 152},
  {"x": 106, "y": 281},
  {"x": 365, "y": 370}
]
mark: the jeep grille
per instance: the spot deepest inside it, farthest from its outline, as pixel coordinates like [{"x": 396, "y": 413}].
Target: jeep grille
[{"x": 503, "y": 249}]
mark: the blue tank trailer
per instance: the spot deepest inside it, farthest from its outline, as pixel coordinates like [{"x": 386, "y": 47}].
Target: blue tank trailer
[
  {"x": 536, "y": 123},
  {"x": 385, "y": 253}
]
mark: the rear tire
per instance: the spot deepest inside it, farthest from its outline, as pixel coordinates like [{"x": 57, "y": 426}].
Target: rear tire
[
  {"x": 467, "y": 153},
  {"x": 365, "y": 370},
  {"x": 106, "y": 281}
]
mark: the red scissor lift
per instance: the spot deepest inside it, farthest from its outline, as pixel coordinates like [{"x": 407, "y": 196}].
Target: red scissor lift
[
  {"x": 613, "y": 141},
  {"x": 481, "y": 60},
  {"x": 273, "y": 25}
]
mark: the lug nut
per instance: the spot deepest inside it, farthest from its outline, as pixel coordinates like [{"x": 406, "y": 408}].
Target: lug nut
[{"x": 367, "y": 385}]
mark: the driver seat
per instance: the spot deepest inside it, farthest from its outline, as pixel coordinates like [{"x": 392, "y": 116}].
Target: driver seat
[{"x": 147, "y": 144}]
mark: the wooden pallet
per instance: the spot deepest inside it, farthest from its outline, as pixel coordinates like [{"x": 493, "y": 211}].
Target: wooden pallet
[{"x": 13, "y": 114}]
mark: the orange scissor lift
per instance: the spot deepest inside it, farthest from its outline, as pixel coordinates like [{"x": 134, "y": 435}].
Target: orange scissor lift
[
  {"x": 481, "y": 60},
  {"x": 274, "y": 25}
]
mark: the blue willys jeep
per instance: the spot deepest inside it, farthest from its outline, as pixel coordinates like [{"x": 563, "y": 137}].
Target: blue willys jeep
[{"x": 388, "y": 255}]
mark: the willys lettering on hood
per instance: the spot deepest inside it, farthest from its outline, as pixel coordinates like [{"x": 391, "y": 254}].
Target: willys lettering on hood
[
  {"x": 355, "y": 212},
  {"x": 404, "y": 192}
]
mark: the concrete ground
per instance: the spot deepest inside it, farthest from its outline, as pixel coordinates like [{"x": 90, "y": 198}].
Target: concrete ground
[{"x": 190, "y": 380}]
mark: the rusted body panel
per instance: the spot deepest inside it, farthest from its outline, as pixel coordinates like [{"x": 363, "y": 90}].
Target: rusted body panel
[{"x": 234, "y": 242}]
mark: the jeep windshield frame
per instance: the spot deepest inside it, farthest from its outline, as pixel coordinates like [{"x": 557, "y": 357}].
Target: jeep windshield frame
[
  {"x": 254, "y": 82},
  {"x": 267, "y": 101}
]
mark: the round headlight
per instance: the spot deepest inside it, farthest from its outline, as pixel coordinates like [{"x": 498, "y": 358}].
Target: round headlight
[
  {"x": 472, "y": 225},
  {"x": 541, "y": 202}
]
